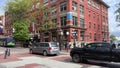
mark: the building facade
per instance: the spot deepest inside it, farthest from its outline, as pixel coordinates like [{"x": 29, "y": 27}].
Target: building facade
[
  {"x": 78, "y": 21},
  {"x": 2, "y": 23},
  {"x": 8, "y": 30}
]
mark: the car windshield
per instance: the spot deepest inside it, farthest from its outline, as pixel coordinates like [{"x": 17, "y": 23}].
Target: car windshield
[
  {"x": 54, "y": 45},
  {"x": 94, "y": 45}
]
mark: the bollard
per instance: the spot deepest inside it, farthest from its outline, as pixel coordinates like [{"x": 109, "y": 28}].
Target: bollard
[{"x": 6, "y": 51}]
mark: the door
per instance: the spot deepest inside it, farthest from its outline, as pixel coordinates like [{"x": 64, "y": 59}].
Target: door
[
  {"x": 103, "y": 51},
  {"x": 35, "y": 47},
  {"x": 90, "y": 51}
]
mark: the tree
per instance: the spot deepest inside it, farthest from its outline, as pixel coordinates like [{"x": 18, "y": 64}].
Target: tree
[
  {"x": 117, "y": 12},
  {"x": 113, "y": 38},
  {"x": 18, "y": 10}
]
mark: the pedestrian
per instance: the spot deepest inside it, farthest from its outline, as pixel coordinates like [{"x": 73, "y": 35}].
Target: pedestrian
[{"x": 65, "y": 45}]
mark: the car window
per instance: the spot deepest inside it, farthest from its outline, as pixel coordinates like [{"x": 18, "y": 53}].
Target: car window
[
  {"x": 46, "y": 45},
  {"x": 35, "y": 45},
  {"x": 41, "y": 44},
  {"x": 54, "y": 45},
  {"x": 91, "y": 46}
]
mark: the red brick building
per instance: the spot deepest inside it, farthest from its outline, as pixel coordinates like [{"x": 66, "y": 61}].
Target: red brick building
[
  {"x": 81, "y": 21},
  {"x": 8, "y": 30},
  {"x": 2, "y": 23}
]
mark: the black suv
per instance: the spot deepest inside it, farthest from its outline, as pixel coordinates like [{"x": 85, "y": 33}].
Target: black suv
[{"x": 97, "y": 51}]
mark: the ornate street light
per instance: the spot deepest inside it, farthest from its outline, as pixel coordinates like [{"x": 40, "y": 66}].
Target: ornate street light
[
  {"x": 60, "y": 32},
  {"x": 74, "y": 33}
]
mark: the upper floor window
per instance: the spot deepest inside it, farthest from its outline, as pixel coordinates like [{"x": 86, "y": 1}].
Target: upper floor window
[
  {"x": 90, "y": 36},
  {"x": 81, "y": 10},
  {"x": 54, "y": 10},
  {"x": 81, "y": 0},
  {"x": 63, "y": 6},
  {"x": 81, "y": 23},
  {"x": 75, "y": 23},
  {"x": 37, "y": 5},
  {"x": 53, "y": 0},
  {"x": 45, "y": 1},
  {"x": 63, "y": 20},
  {"x": 74, "y": 6},
  {"x": 54, "y": 20},
  {"x": 89, "y": 2},
  {"x": 89, "y": 24},
  {"x": 82, "y": 35},
  {"x": 94, "y": 26}
]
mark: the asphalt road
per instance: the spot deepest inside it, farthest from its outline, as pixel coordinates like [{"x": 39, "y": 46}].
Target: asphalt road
[{"x": 90, "y": 62}]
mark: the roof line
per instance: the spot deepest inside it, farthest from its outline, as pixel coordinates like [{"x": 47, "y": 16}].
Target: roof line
[{"x": 104, "y": 3}]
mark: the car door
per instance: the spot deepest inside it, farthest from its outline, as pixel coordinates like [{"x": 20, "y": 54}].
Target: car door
[
  {"x": 41, "y": 47},
  {"x": 89, "y": 51},
  {"x": 103, "y": 51},
  {"x": 35, "y": 47}
]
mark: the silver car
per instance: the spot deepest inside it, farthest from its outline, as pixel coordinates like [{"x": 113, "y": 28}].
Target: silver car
[{"x": 45, "y": 48}]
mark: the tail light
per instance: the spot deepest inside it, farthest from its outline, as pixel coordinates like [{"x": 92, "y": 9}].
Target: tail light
[{"x": 50, "y": 48}]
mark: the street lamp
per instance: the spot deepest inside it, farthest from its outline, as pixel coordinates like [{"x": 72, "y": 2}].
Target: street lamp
[
  {"x": 74, "y": 33},
  {"x": 60, "y": 32}
]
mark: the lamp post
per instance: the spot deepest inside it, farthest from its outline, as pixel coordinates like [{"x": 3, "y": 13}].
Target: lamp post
[
  {"x": 60, "y": 32},
  {"x": 74, "y": 36}
]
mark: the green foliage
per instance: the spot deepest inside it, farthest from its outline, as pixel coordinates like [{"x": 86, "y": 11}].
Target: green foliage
[
  {"x": 18, "y": 10},
  {"x": 113, "y": 37},
  {"x": 21, "y": 31},
  {"x": 117, "y": 12}
]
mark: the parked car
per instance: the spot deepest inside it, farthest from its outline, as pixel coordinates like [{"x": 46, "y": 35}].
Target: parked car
[
  {"x": 46, "y": 48},
  {"x": 96, "y": 51}
]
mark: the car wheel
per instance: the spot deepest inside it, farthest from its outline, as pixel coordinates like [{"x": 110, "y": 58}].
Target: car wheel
[
  {"x": 44, "y": 53},
  {"x": 76, "y": 58},
  {"x": 31, "y": 51}
]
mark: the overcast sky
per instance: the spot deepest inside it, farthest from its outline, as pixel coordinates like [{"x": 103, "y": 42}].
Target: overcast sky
[{"x": 112, "y": 24}]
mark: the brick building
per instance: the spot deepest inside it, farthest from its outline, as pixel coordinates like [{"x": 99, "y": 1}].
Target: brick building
[
  {"x": 79, "y": 21},
  {"x": 2, "y": 23},
  {"x": 8, "y": 30}
]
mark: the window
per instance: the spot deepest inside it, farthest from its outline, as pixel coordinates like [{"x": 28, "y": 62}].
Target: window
[
  {"x": 38, "y": 20},
  {"x": 95, "y": 37},
  {"x": 89, "y": 13},
  {"x": 89, "y": 2},
  {"x": 54, "y": 20},
  {"x": 74, "y": 6},
  {"x": 98, "y": 27},
  {"x": 63, "y": 20},
  {"x": 81, "y": 10},
  {"x": 53, "y": 0},
  {"x": 89, "y": 24},
  {"x": 94, "y": 26},
  {"x": 54, "y": 36},
  {"x": 54, "y": 10},
  {"x": 37, "y": 5},
  {"x": 45, "y": 1},
  {"x": 82, "y": 35},
  {"x": 91, "y": 45},
  {"x": 81, "y": 23},
  {"x": 90, "y": 36},
  {"x": 75, "y": 23},
  {"x": 81, "y": 0},
  {"x": 63, "y": 6}
]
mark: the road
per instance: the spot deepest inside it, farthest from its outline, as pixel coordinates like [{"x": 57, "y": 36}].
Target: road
[{"x": 20, "y": 58}]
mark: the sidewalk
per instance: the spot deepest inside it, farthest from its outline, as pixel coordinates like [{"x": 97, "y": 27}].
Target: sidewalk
[{"x": 27, "y": 60}]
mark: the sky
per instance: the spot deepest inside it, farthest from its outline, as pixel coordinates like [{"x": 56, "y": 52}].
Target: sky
[{"x": 112, "y": 23}]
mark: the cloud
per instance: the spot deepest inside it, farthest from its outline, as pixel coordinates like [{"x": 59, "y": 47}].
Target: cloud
[{"x": 113, "y": 28}]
